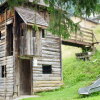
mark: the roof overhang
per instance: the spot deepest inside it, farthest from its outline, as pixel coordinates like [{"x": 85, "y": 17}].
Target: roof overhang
[{"x": 30, "y": 17}]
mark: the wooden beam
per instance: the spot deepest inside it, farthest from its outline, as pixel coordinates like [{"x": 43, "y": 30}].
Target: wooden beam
[{"x": 44, "y": 27}]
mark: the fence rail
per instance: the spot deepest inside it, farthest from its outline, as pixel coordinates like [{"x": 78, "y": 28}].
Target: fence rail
[{"x": 83, "y": 37}]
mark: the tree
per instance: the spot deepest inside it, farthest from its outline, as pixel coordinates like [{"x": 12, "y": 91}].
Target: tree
[{"x": 60, "y": 23}]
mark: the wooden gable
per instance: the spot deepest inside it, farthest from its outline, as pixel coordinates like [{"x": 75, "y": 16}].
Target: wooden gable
[{"x": 30, "y": 17}]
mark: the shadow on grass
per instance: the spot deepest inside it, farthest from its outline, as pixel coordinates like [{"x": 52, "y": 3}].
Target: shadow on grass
[{"x": 90, "y": 95}]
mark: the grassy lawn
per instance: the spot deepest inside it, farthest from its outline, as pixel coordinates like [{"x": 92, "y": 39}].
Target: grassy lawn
[{"x": 76, "y": 74}]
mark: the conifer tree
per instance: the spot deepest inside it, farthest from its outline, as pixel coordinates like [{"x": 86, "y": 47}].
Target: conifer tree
[{"x": 60, "y": 23}]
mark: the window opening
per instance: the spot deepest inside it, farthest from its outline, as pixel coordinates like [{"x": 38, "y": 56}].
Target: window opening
[
  {"x": 0, "y": 35},
  {"x": 3, "y": 71},
  {"x": 10, "y": 40},
  {"x": 43, "y": 33},
  {"x": 46, "y": 69}
]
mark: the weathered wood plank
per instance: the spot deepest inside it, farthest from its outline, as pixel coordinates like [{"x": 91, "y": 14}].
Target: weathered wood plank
[
  {"x": 47, "y": 78},
  {"x": 46, "y": 82},
  {"x": 49, "y": 60},
  {"x": 51, "y": 49},
  {"x": 50, "y": 53},
  {"x": 39, "y": 89},
  {"x": 47, "y": 85},
  {"x": 46, "y": 75},
  {"x": 50, "y": 56},
  {"x": 48, "y": 63}
]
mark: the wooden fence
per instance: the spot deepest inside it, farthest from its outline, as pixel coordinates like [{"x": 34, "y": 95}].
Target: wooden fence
[{"x": 84, "y": 37}]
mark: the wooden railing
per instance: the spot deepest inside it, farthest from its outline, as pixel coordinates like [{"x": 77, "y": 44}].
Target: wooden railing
[{"x": 85, "y": 35}]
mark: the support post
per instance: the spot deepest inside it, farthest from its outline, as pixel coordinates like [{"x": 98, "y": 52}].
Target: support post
[{"x": 15, "y": 46}]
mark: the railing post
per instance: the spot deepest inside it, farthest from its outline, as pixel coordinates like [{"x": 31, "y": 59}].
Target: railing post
[
  {"x": 92, "y": 37},
  {"x": 92, "y": 42},
  {"x": 75, "y": 36}
]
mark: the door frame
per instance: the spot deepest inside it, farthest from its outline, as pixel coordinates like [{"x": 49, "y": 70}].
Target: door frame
[{"x": 31, "y": 71}]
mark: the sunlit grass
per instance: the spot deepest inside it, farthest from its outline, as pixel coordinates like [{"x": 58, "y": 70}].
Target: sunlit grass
[{"x": 69, "y": 51}]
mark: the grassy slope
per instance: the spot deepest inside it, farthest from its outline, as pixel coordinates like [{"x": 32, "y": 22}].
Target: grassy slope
[{"x": 76, "y": 74}]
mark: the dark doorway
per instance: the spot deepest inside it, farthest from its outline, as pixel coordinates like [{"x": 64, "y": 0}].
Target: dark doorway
[
  {"x": 25, "y": 77},
  {"x": 10, "y": 40}
]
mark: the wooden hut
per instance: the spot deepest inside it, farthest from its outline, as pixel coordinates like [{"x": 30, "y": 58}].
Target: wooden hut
[{"x": 30, "y": 60}]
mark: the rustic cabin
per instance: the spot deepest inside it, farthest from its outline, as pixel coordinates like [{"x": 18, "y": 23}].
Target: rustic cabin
[{"x": 30, "y": 60}]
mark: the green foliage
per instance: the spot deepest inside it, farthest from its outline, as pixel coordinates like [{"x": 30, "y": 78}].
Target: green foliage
[
  {"x": 35, "y": 27},
  {"x": 60, "y": 23}
]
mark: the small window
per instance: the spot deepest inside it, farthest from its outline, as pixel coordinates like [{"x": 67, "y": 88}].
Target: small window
[
  {"x": 0, "y": 35},
  {"x": 3, "y": 73},
  {"x": 43, "y": 33},
  {"x": 47, "y": 69}
]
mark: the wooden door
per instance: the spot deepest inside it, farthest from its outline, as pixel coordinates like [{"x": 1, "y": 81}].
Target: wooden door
[{"x": 25, "y": 77}]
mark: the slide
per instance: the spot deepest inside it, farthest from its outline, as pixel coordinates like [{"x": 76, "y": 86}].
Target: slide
[{"x": 90, "y": 89}]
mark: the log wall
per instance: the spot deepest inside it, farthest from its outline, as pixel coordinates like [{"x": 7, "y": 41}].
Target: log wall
[
  {"x": 6, "y": 84},
  {"x": 51, "y": 55},
  {"x": 48, "y": 52}
]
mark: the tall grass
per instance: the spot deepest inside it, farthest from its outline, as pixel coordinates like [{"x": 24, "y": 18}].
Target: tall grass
[{"x": 75, "y": 71}]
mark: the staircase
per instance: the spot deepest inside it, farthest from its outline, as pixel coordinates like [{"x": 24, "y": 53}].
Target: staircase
[{"x": 83, "y": 38}]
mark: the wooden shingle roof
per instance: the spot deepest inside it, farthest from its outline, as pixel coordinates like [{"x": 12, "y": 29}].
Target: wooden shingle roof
[{"x": 30, "y": 16}]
